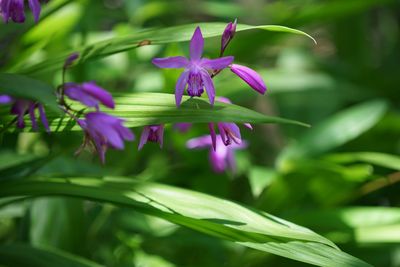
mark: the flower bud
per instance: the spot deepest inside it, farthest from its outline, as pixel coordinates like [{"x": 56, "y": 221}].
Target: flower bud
[
  {"x": 250, "y": 76},
  {"x": 228, "y": 34}
]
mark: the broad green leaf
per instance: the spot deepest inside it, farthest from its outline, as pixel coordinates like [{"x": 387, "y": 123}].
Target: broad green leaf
[
  {"x": 335, "y": 131},
  {"x": 376, "y": 158},
  {"x": 148, "y": 37},
  {"x": 24, "y": 87},
  {"x": 24, "y": 255},
  {"x": 217, "y": 217},
  {"x": 141, "y": 109}
]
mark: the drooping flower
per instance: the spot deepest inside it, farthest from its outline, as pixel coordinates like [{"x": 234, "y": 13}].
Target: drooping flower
[
  {"x": 228, "y": 35},
  {"x": 103, "y": 131},
  {"x": 14, "y": 10},
  {"x": 228, "y": 131},
  {"x": 223, "y": 157},
  {"x": 152, "y": 133},
  {"x": 197, "y": 69},
  {"x": 21, "y": 107},
  {"x": 89, "y": 94},
  {"x": 251, "y": 77}
]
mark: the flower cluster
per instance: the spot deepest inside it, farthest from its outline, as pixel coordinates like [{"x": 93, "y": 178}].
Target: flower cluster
[
  {"x": 20, "y": 107},
  {"x": 102, "y": 130},
  {"x": 197, "y": 79},
  {"x": 15, "y": 10}
]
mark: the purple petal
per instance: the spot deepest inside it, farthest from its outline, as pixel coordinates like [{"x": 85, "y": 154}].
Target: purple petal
[
  {"x": 99, "y": 93},
  {"x": 71, "y": 59},
  {"x": 216, "y": 64},
  {"x": 32, "y": 116},
  {"x": 6, "y": 99},
  {"x": 250, "y": 76},
  {"x": 5, "y": 9},
  {"x": 160, "y": 134},
  {"x": 227, "y": 35},
  {"x": 16, "y": 11},
  {"x": 182, "y": 126},
  {"x": 213, "y": 135},
  {"x": 235, "y": 132},
  {"x": 224, "y": 100},
  {"x": 196, "y": 45},
  {"x": 171, "y": 62},
  {"x": 125, "y": 133},
  {"x": 248, "y": 125},
  {"x": 34, "y": 5},
  {"x": 218, "y": 158},
  {"x": 75, "y": 92},
  {"x": 209, "y": 85},
  {"x": 144, "y": 137},
  {"x": 180, "y": 87},
  {"x": 43, "y": 118},
  {"x": 231, "y": 161},
  {"x": 199, "y": 142}
]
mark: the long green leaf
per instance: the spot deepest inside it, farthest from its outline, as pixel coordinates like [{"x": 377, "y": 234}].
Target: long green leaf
[
  {"x": 25, "y": 87},
  {"x": 148, "y": 37},
  {"x": 379, "y": 159},
  {"x": 336, "y": 130},
  {"x": 141, "y": 109},
  {"x": 24, "y": 255},
  {"x": 204, "y": 213}
]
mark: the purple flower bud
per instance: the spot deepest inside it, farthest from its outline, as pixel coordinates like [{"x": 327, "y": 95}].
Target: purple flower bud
[
  {"x": 250, "y": 76},
  {"x": 104, "y": 131},
  {"x": 21, "y": 107},
  {"x": 223, "y": 157},
  {"x": 70, "y": 60},
  {"x": 152, "y": 133},
  {"x": 89, "y": 94},
  {"x": 228, "y": 35}
]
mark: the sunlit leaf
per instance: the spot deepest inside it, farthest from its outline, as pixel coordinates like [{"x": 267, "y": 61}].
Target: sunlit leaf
[{"x": 204, "y": 213}]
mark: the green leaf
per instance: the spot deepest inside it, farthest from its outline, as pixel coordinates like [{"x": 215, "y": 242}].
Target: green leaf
[
  {"x": 336, "y": 131},
  {"x": 148, "y": 37},
  {"x": 376, "y": 158},
  {"x": 141, "y": 109},
  {"x": 217, "y": 217},
  {"x": 24, "y": 87},
  {"x": 24, "y": 255}
]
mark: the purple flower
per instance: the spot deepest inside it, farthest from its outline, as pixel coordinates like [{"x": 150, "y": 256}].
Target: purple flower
[
  {"x": 152, "y": 133},
  {"x": 21, "y": 107},
  {"x": 14, "y": 9},
  {"x": 228, "y": 35},
  {"x": 197, "y": 69},
  {"x": 229, "y": 131},
  {"x": 223, "y": 157},
  {"x": 89, "y": 94},
  {"x": 104, "y": 131},
  {"x": 250, "y": 76}
]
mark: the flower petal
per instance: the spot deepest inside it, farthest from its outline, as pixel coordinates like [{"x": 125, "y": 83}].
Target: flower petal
[
  {"x": 32, "y": 116},
  {"x": 209, "y": 85},
  {"x": 43, "y": 118},
  {"x": 17, "y": 11},
  {"x": 196, "y": 45},
  {"x": 250, "y": 76},
  {"x": 180, "y": 87},
  {"x": 160, "y": 134},
  {"x": 99, "y": 93},
  {"x": 199, "y": 142},
  {"x": 171, "y": 62},
  {"x": 5, "y": 9},
  {"x": 217, "y": 63},
  {"x": 75, "y": 92},
  {"x": 6, "y": 99},
  {"x": 213, "y": 135},
  {"x": 34, "y": 5},
  {"x": 144, "y": 137}
]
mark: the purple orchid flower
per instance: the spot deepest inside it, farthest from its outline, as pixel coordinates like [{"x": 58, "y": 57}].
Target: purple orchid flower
[
  {"x": 228, "y": 35},
  {"x": 21, "y": 107},
  {"x": 89, "y": 94},
  {"x": 229, "y": 131},
  {"x": 197, "y": 69},
  {"x": 152, "y": 133},
  {"x": 14, "y": 10},
  {"x": 104, "y": 131},
  {"x": 223, "y": 157}
]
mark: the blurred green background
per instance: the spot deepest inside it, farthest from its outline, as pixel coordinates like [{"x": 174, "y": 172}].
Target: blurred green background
[{"x": 338, "y": 178}]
